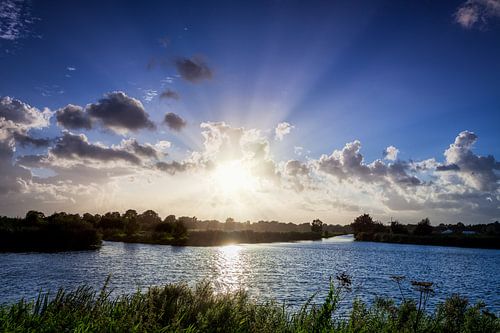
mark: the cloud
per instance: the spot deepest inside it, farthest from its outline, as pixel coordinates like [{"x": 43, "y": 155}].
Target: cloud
[
  {"x": 149, "y": 94},
  {"x": 282, "y": 129},
  {"x": 193, "y": 70},
  {"x": 73, "y": 169},
  {"x": 15, "y": 18},
  {"x": 298, "y": 173},
  {"x": 73, "y": 117},
  {"x": 71, "y": 68},
  {"x": 296, "y": 168},
  {"x": 71, "y": 146},
  {"x": 170, "y": 94},
  {"x": 163, "y": 145},
  {"x": 16, "y": 120},
  {"x": 23, "y": 114},
  {"x": 224, "y": 143},
  {"x": 391, "y": 153},
  {"x": 348, "y": 165},
  {"x": 172, "y": 167},
  {"x": 26, "y": 140},
  {"x": 120, "y": 113},
  {"x": 479, "y": 172},
  {"x": 145, "y": 150},
  {"x": 477, "y": 12},
  {"x": 174, "y": 121},
  {"x": 10, "y": 175}
]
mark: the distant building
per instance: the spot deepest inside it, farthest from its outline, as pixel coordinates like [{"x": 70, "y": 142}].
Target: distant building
[
  {"x": 447, "y": 231},
  {"x": 468, "y": 232}
]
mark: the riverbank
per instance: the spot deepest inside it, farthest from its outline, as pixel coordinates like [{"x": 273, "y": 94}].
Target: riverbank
[
  {"x": 219, "y": 237},
  {"x": 69, "y": 232},
  {"x": 178, "y": 308},
  {"x": 21, "y": 235},
  {"x": 457, "y": 240}
]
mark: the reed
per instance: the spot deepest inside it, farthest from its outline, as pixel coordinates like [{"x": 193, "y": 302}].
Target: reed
[{"x": 179, "y": 308}]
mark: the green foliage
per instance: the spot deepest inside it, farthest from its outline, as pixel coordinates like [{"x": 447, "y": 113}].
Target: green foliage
[{"x": 178, "y": 308}]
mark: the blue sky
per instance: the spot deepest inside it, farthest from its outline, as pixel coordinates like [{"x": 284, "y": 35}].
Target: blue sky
[{"x": 411, "y": 75}]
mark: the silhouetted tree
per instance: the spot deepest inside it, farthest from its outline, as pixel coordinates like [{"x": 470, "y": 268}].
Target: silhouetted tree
[
  {"x": 398, "y": 228},
  {"x": 169, "y": 219},
  {"x": 34, "y": 217},
  {"x": 149, "y": 217},
  {"x": 317, "y": 226},
  {"x": 362, "y": 223},
  {"x": 230, "y": 224},
  {"x": 130, "y": 214},
  {"x": 179, "y": 230},
  {"x": 423, "y": 227},
  {"x": 365, "y": 223},
  {"x": 92, "y": 219},
  {"x": 111, "y": 220},
  {"x": 130, "y": 221}
]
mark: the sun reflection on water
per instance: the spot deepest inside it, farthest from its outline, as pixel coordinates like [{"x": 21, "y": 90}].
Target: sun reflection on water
[{"x": 230, "y": 268}]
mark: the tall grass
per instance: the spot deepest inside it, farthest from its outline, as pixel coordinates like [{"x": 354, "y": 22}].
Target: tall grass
[{"x": 178, "y": 308}]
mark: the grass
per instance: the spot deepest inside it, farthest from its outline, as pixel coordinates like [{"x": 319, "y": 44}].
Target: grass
[{"x": 178, "y": 308}]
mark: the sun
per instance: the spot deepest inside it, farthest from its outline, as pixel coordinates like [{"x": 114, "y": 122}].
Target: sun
[{"x": 233, "y": 177}]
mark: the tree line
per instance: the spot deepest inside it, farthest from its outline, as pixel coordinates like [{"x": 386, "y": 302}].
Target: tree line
[
  {"x": 65, "y": 231},
  {"x": 479, "y": 235}
]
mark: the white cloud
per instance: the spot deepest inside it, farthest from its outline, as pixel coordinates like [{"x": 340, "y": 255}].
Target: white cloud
[
  {"x": 391, "y": 153},
  {"x": 282, "y": 129},
  {"x": 15, "y": 18}
]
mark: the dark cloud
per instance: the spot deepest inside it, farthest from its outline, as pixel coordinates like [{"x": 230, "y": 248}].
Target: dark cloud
[
  {"x": 71, "y": 146},
  {"x": 170, "y": 94},
  {"x": 120, "y": 113},
  {"x": 26, "y": 140},
  {"x": 22, "y": 114},
  {"x": 172, "y": 167},
  {"x": 30, "y": 161},
  {"x": 73, "y": 117},
  {"x": 193, "y": 70},
  {"x": 296, "y": 168},
  {"x": 449, "y": 167},
  {"x": 12, "y": 177},
  {"x": 174, "y": 121},
  {"x": 145, "y": 150}
]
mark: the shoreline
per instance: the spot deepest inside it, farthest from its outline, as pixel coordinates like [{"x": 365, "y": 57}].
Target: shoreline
[{"x": 473, "y": 242}]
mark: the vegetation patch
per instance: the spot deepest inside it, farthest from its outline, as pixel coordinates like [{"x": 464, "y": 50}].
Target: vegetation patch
[{"x": 178, "y": 308}]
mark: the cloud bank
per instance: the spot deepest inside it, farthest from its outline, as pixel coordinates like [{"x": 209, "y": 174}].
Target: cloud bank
[{"x": 71, "y": 170}]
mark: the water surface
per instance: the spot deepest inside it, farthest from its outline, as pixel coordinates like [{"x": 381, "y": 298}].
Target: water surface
[{"x": 287, "y": 272}]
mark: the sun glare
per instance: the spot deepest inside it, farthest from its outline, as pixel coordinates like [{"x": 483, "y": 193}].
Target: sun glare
[{"x": 233, "y": 177}]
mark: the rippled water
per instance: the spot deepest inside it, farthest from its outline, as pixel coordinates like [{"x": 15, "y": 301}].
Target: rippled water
[{"x": 288, "y": 272}]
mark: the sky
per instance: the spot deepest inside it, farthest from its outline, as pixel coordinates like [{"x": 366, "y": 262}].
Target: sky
[{"x": 261, "y": 110}]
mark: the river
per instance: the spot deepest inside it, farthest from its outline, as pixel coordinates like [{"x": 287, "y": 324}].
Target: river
[{"x": 286, "y": 272}]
